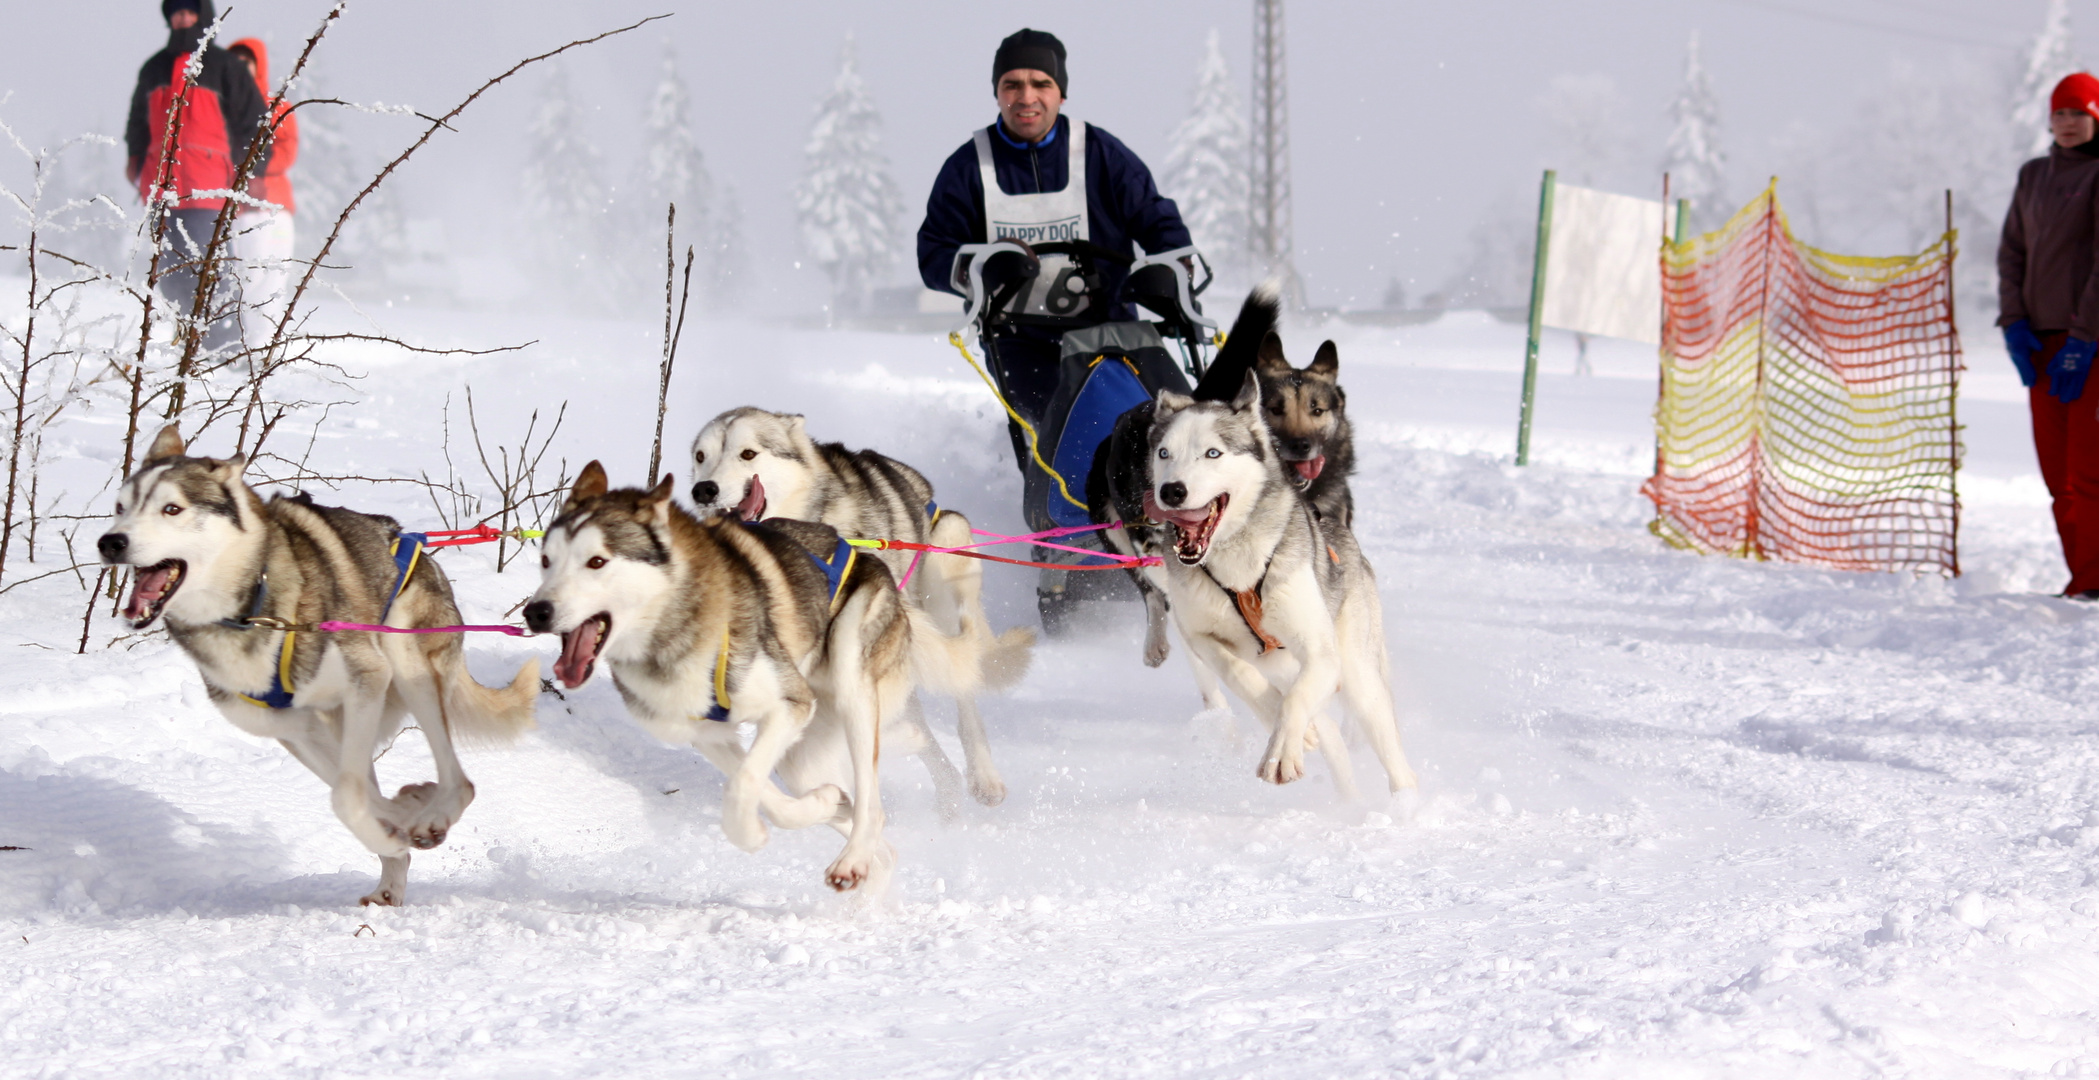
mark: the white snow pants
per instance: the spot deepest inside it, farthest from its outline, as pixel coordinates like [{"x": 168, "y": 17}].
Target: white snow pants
[{"x": 263, "y": 243}]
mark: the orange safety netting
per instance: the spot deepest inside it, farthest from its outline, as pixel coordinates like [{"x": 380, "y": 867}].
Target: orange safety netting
[{"x": 1806, "y": 408}]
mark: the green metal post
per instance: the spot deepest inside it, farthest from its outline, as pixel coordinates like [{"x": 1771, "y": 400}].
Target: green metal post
[
  {"x": 1530, "y": 348},
  {"x": 1683, "y": 219}
]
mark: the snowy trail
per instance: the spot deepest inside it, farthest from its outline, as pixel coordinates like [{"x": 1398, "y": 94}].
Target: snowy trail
[{"x": 1680, "y": 816}]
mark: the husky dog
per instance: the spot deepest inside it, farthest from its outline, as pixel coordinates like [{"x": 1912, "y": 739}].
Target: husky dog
[
  {"x": 231, "y": 573},
  {"x": 1307, "y": 413},
  {"x": 779, "y": 624},
  {"x": 763, "y": 465},
  {"x": 1280, "y": 603},
  {"x": 1121, "y": 477}
]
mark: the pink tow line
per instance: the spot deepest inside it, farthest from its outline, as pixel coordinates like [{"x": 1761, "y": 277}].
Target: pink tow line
[
  {"x": 340, "y": 627},
  {"x": 1035, "y": 538}
]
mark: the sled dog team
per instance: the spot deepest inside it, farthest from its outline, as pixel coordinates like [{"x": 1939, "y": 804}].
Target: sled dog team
[{"x": 755, "y": 608}]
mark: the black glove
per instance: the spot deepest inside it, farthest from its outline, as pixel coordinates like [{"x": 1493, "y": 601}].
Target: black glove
[{"x": 1004, "y": 268}]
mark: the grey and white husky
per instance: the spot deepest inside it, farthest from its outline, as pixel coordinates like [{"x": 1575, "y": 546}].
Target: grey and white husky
[
  {"x": 235, "y": 577},
  {"x": 776, "y": 624},
  {"x": 1279, "y": 603},
  {"x": 759, "y": 465}
]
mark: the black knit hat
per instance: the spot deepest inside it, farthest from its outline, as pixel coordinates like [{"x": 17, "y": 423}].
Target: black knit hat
[
  {"x": 201, "y": 7},
  {"x": 1031, "y": 50}
]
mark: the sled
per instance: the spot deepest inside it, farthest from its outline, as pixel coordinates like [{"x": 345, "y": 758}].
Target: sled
[{"x": 1104, "y": 370}]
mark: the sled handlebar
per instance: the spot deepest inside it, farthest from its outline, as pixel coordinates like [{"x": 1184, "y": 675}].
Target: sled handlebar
[
  {"x": 975, "y": 300},
  {"x": 1185, "y": 289}
]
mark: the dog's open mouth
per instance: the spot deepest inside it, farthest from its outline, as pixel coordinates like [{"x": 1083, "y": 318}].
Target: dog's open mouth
[
  {"x": 1192, "y": 527},
  {"x": 1309, "y": 469},
  {"x": 752, "y": 508},
  {"x": 579, "y": 650},
  {"x": 151, "y": 589}
]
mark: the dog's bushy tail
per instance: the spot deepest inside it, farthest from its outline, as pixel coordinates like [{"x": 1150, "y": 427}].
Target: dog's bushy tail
[
  {"x": 968, "y": 663},
  {"x": 489, "y": 713},
  {"x": 1257, "y": 319}
]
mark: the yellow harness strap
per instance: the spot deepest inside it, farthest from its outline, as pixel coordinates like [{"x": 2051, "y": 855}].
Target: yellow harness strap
[{"x": 1034, "y": 447}]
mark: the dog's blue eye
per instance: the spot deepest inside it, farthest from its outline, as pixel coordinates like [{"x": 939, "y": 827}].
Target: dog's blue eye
[
  {"x": 1162, "y": 453},
  {"x": 171, "y": 509},
  {"x": 1213, "y": 452}
]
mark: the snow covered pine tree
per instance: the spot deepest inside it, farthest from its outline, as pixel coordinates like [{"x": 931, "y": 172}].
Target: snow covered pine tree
[
  {"x": 566, "y": 202},
  {"x": 728, "y": 261},
  {"x": 1696, "y": 166},
  {"x": 672, "y": 172},
  {"x": 2052, "y": 56},
  {"x": 1206, "y": 171},
  {"x": 847, "y": 204}
]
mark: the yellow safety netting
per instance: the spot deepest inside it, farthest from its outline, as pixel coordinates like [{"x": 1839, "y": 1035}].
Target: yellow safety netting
[{"x": 1807, "y": 400}]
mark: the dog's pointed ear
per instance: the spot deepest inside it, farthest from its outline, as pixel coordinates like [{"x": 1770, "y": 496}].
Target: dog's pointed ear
[
  {"x": 1327, "y": 361},
  {"x": 590, "y": 483},
  {"x": 1269, "y": 360},
  {"x": 1249, "y": 395},
  {"x": 1167, "y": 404},
  {"x": 229, "y": 470},
  {"x": 658, "y": 501},
  {"x": 167, "y": 446},
  {"x": 798, "y": 425}
]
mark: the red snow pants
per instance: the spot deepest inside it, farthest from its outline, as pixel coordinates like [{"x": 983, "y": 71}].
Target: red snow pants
[{"x": 2066, "y": 439}]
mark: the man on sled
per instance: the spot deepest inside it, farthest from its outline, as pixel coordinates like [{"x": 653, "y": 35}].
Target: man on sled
[{"x": 1051, "y": 227}]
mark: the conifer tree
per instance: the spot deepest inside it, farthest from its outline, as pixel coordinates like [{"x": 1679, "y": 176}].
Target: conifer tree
[
  {"x": 1206, "y": 170},
  {"x": 1696, "y": 165},
  {"x": 2052, "y": 56},
  {"x": 847, "y": 205},
  {"x": 563, "y": 195},
  {"x": 673, "y": 171},
  {"x": 728, "y": 263}
]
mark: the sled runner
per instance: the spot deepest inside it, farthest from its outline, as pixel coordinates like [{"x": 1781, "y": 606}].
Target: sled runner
[{"x": 1104, "y": 368}]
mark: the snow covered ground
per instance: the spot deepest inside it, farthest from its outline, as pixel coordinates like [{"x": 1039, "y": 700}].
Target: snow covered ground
[{"x": 1680, "y": 816}]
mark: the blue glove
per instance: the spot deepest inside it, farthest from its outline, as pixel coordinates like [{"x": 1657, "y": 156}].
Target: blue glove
[
  {"x": 2066, "y": 373},
  {"x": 2019, "y": 340}
]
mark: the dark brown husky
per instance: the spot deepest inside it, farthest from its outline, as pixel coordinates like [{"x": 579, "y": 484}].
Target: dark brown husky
[{"x": 1307, "y": 414}]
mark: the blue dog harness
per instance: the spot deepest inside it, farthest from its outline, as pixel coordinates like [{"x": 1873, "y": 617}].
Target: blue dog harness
[
  {"x": 835, "y": 568},
  {"x": 407, "y": 552}
]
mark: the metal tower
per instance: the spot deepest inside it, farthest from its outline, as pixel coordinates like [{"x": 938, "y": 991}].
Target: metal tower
[{"x": 1269, "y": 231}]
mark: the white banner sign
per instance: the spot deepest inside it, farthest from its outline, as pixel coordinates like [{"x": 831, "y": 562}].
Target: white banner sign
[{"x": 1603, "y": 271}]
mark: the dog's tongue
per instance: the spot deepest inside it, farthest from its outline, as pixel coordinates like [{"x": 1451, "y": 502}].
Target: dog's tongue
[
  {"x": 1309, "y": 468},
  {"x": 147, "y": 588},
  {"x": 753, "y": 505},
  {"x": 1188, "y": 517},
  {"x": 579, "y": 650}
]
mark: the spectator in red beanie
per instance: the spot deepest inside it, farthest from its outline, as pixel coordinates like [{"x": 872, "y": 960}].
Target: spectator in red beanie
[{"x": 2048, "y": 304}]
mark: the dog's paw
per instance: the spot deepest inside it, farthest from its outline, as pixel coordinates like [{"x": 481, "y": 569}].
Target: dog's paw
[
  {"x": 1156, "y": 649},
  {"x": 380, "y": 897},
  {"x": 858, "y": 865},
  {"x": 1285, "y": 760},
  {"x": 987, "y": 789},
  {"x": 746, "y": 831}
]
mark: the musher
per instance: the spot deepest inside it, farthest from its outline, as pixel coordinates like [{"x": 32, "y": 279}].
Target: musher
[
  {"x": 1034, "y": 154},
  {"x": 2048, "y": 302}
]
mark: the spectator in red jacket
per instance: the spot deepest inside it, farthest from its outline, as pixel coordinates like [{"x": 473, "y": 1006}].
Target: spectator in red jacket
[
  {"x": 218, "y": 123},
  {"x": 2048, "y": 302},
  {"x": 264, "y": 240}
]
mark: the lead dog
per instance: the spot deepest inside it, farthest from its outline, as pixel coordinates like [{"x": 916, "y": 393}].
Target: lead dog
[
  {"x": 778, "y": 624},
  {"x": 1278, "y": 602},
  {"x": 1121, "y": 478},
  {"x": 227, "y": 569},
  {"x": 758, "y": 464}
]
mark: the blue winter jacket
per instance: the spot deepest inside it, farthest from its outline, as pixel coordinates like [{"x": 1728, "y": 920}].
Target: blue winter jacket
[{"x": 1122, "y": 203}]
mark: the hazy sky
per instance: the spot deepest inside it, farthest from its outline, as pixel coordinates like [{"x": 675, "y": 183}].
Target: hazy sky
[{"x": 1409, "y": 119}]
